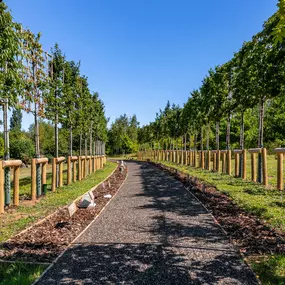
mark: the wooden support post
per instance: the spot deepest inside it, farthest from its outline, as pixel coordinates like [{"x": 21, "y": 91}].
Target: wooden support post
[
  {"x": 253, "y": 167},
  {"x": 69, "y": 173},
  {"x": 229, "y": 160},
  {"x": 214, "y": 161},
  {"x": 34, "y": 180},
  {"x": 61, "y": 174},
  {"x": 218, "y": 155},
  {"x": 16, "y": 185},
  {"x": 79, "y": 168},
  {"x": 74, "y": 170},
  {"x": 94, "y": 163},
  {"x": 280, "y": 184},
  {"x": 236, "y": 164},
  {"x": 209, "y": 160},
  {"x": 243, "y": 164},
  {"x": 84, "y": 167},
  {"x": 224, "y": 170},
  {"x": 202, "y": 160},
  {"x": 2, "y": 196},
  {"x": 53, "y": 185},
  {"x": 264, "y": 165},
  {"x": 90, "y": 164}
]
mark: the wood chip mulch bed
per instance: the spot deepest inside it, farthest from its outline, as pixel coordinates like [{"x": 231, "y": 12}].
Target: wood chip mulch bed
[
  {"x": 248, "y": 232},
  {"x": 43, "y": 242}
]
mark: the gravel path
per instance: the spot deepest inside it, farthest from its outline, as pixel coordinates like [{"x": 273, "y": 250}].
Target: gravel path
[{"x": 152, "y": 232}]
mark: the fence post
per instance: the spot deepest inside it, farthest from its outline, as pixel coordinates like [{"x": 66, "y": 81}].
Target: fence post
[
  {"x": 61, "y": 174},
  {"x": 74, "y": 170},
  {"x": 224, "y": 170},
  {"x": 209, "y": 160},
  {"x": 53, "y": 185},
  {"x": 16, "y": 185},
  {"x": 264, "y": 165},
  {"x": 34, "y": 180},
  {"x": 280, "y": 185},
  {"x": 69, "y": 170},
  {"x": 90, "y": 164},
  {"x": 2, "y": 196},
  {"x": 218, "y": 154},
  {"x": 236, "y": 164},
  {"x": 202, "y": 160},
  {"x": 79, "y": 168},
  {"x": 214, "y": 160},
  {"x": 244, "y": 164},
  {"x": 229, "y": 168}
]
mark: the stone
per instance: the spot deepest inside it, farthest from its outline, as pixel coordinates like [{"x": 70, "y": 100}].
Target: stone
[
  {"x": 108, "y": 196},
  {"x": 72, "y": 208}
]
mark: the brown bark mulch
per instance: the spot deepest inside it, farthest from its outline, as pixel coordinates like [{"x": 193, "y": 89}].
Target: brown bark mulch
[
  {"x": 251, "y": 234},
  {"x": 45, "y": 241}
]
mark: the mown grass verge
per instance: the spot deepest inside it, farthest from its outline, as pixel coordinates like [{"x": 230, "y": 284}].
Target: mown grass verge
[
  {"x": 269, "y": 205},
  {"x": 19, "y": 273},
  {"x": 13, "y": 222}
]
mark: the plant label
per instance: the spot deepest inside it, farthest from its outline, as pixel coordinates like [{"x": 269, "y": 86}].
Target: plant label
[{"x": 72, "y": 209}]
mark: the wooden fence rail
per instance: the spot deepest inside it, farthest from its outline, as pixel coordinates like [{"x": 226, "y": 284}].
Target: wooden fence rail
[
  {"x": 15, "y": 164},
  {"x": 222, "y": 161}
]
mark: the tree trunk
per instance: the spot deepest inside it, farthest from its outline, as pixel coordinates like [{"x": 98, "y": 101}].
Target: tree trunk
[
  {"x": 260, "y": 138},
  {"x": 85, "y": 144},
  {"x": 218, "y": 135},
  {"x": 7, "y": 184},
  {"x": 208, "y": 136},
  {"x": 80, "y": 144},
  {"x": 70, "y": 140},
  {"x": 201, "y": 146},
  {"x": 241, "y": 142},
  {"x": 90, "y": 142},
  {"x": 228, "y": 136}
]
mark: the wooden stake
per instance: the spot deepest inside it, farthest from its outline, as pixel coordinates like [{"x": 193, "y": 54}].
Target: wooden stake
[
  {"x": 79, "y": 168},
  {"x": 280, "y": 184},
  {"x": 218, "y": 155},
  {"x": 69, "y": 170},
  {"x": 224, "y": 170},
  {"x": 214, "y": 161},
  {"x": 243, "y": 164},
  {"x": 53, "y": 184},
  {"x": 264, "y": 165},
  {"x": 74, "y": 170},
  {"x": 236, "y": 164},
  {"x": 60, "y": 174},
  {"x": 209, "y": 160},
  {"x": 229, "y": 164}
]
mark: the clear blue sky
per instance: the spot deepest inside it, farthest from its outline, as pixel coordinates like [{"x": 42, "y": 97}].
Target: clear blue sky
[{"x": 140, "y": 53}]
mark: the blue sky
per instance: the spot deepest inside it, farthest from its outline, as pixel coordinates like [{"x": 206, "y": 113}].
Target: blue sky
[{"x": 140, "y": 53}]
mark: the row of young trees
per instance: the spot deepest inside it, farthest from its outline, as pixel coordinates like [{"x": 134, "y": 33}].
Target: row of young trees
[
  {"x": 49, "y": 86},
  {"x": 232, "y": 99}
]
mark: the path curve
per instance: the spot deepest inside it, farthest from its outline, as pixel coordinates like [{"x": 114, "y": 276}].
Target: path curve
[{"x": 152, "y": 232}]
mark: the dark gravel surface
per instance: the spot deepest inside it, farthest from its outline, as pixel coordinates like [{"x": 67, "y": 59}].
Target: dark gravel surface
[{"x": 152, "y": 232}]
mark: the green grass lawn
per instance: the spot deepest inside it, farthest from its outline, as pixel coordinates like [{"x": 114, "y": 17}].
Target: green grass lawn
[
  {"x": 12, "y": 223},
  {"x": 19, "y": 273}
]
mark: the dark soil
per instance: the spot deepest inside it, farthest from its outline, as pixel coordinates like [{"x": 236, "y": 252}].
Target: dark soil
[
  {"x": 248, "y": 232},
  {"x": 45, "y": 241}
]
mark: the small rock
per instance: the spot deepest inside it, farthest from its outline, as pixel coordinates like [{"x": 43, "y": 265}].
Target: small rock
[{"x": 108, "y": 196}]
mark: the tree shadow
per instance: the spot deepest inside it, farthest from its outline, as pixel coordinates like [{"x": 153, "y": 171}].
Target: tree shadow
[{"x": 143, "y": 264}]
